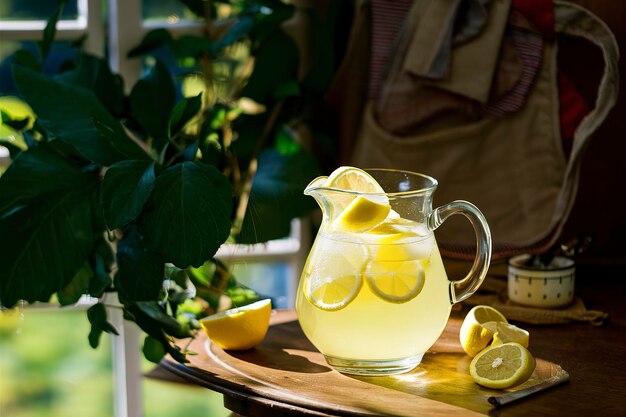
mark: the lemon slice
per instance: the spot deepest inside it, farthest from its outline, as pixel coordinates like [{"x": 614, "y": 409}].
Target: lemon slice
[
  {"x": 332, "y": 294},
  {"x": 317, "y": 182},
  {"x": 474, "y": 336},
  {"x": 353, "y": 179},
  {"x": 239, "y": 328},
  {"x": 507, "y": 332},
  {"x": 502, "y": 366},
  {"x": 396, "y": 282},
  {"x": 362, "y": 214}
]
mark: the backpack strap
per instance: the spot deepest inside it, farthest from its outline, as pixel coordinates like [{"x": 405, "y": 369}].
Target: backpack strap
[{"x": 574, "y": 20}]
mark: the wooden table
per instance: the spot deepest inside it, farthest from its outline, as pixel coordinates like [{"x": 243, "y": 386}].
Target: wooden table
[{"x": 286, "y": 376}]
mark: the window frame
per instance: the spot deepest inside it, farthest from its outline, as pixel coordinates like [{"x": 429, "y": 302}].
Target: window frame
[{"x": 125, "y": 29}]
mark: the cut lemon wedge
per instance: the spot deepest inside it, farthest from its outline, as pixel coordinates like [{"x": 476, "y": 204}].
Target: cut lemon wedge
[
  {"x": 507, "y": 332},
  {"x": 239, "y": 328},
  {"x": 473, "y": 336},
  {"x": 332, "y": 294},
  {"x": 502, "y": 366},
  {"x": 353, "y": 179},
  {"x": 396, "y": 282},
  {"x": 362, "y": 214}
]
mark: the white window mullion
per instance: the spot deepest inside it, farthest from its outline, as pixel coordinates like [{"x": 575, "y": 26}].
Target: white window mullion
[
  {"x": 92, "y": 10},
  {"x": 125, "y": 32}
]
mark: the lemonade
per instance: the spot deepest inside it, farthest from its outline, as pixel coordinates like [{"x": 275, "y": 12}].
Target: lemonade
[
  {"x": 374, "y": 296},
  {"x": 385, "y": 322}
]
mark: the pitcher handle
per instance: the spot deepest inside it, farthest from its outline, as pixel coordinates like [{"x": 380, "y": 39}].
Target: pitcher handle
[{"x": 464, "y": 288}]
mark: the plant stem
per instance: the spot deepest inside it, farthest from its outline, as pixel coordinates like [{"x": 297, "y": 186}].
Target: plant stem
[{"x": 244, "y": 198}]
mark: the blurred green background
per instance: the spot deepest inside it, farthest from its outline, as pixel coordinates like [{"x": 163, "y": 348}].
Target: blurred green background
[{"x": 47, "y": 369}]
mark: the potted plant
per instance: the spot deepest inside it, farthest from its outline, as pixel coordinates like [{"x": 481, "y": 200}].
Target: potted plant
[{"x": 112, "y": 192}]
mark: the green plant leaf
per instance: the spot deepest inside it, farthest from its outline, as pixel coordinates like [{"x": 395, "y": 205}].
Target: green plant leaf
[
  {"x": 276, "y": 62},
  {"x": 140, "y": 271},
  {"x": 50, "y": 241},
  {"x": 168, "y": 323},
  {"x": 277, "y": 195},
  {"x": 153, "y": 40},
  {"x": 72, "y": 113},
  {"x": 50, "y": 30},
  {"x": 184, "y": 111},
  {"x": 125, "y": 189},
  {"x": 37, "y": 173},
  {"x": 235, "y": 33},
  {"x": 97, "y": 316},
  {"x": 71, "y": 293},
  {"x": 93, "y": 73},
  {"x": 287, "y": 89},
  {"x": 195, "y": 6},
  {"x": 25, "y": 58},
  {"x": 101, "y": 262},
  {"x": 152, "y": 349},
  {"x": 187, "y": 217},
  {"x": 152, "y": 100},
  {"x": 153, "y": 328},
  {"x": 191, "y": 46}
]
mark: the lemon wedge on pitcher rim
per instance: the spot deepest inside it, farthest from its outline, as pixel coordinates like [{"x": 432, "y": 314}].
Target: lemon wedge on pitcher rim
[
  {"x": 474, "y": 336},
  {"x": 353, "y": 179},
  {"x": 502, "y": 366},
  {"x": 239, "y": 328}
]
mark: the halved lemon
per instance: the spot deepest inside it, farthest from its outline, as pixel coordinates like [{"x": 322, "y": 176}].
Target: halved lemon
[
  {"x": 507, "y": 332},
  {"x": 502, "y": 366},
  {"x": 362, "y": 214},
  {"x": 333, "y": 293},
  {"x": 473, "y": 336},
  {"x": 239, "y": 328}
]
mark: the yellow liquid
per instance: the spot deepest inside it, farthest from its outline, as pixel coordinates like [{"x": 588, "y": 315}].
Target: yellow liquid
[{"x": 370, "y": 328}]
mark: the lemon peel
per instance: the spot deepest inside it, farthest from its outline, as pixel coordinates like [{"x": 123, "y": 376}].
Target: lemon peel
[
  {"x": 240, "y": 328},
  {"x": 473, "y": 336},
  {"x": 507, "y": 332}
]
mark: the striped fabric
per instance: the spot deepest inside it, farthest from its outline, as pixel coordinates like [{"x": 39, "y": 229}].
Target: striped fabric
[
  {"x": 387, "y": 19},
  {"x": 529, "y": 47}
]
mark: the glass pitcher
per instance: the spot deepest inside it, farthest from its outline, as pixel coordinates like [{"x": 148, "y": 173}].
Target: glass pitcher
[{"x": 374, "y": 301}]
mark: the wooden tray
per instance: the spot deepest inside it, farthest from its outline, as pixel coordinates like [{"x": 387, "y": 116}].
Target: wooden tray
[{"x": 287, "y": 372}]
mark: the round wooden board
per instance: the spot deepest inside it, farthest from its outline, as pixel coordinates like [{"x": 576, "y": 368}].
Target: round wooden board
[{"x": 287, "y": 372}]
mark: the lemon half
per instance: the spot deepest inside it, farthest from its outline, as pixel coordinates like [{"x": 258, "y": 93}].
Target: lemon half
[
  {"x": 239, "y": 328},
  {"x": 473, "y": 336},
  {"x": 502, "y": 366}
]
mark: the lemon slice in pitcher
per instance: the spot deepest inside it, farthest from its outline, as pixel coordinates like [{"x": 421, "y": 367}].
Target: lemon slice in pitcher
[
  {"x": 362, "y": 214},
  {"x": 396, "y": 283},
  {"x": 333, "y": 293}
]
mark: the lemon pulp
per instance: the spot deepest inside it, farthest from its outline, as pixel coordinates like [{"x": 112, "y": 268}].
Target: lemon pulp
[{"x": 502, "y": 366}]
